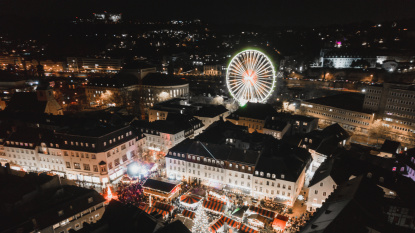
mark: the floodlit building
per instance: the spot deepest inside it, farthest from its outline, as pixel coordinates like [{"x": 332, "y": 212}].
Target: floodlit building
[
  {"x": 94, "y": 155},
  {"x": 395, "y": 106},
  {"x": 277, "y": 172},
  {"x": 345, "y": 109}
]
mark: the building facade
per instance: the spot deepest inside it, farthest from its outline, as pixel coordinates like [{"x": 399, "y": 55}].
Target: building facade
[
  {"x": 344, "y": 109},
  {"x": 395, "y": 106},
  {"x": 238, "y": 170},
  {"x": 97, "y": 159}
]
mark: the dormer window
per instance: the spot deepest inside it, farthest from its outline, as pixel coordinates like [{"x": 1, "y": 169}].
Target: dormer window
[
  {"x": 268, "y": 175},
  {"x": 261, "y": 173},
  {"x": 249, "y": 168},
  {"x": 273, "y": 176},
  {"x": 243, "y": 167},
  {"x": 105, "y": 143},
  {"x": 256, "y": 172},
  {"x": 230, "y": 165},
  {"x": 236, "y": 166},
  {"x": 66, "y": 142},
  {"x": 282, "y": 176},
  {"x": 71, "y": 143}
]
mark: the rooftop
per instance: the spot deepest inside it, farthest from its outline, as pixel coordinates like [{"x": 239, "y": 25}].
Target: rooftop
[
  {"x": 160, "y": 185},
  {"x": 158, "y": 79},
  {"x": 347, "y": 101},
  {"x": 253, "y": 111}
]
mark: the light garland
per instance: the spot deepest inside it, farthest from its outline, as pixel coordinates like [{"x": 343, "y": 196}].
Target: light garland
[{"x": 200, "y": 222}]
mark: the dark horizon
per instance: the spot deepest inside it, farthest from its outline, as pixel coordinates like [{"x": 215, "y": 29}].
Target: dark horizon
[{"x": 261, "y": 12}]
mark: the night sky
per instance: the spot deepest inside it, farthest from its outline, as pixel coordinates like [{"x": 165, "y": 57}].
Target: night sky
[{"x": 269, "y": 13}]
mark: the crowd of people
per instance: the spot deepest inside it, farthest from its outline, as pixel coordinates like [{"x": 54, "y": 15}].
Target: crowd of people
[{"x": 131, "y": 193}]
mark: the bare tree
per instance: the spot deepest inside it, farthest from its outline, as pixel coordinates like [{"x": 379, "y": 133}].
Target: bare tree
[{"x": 378, "y": 130}]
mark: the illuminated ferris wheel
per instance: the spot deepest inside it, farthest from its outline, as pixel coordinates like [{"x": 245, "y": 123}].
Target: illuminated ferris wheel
[{"x": 250, "y": 77}]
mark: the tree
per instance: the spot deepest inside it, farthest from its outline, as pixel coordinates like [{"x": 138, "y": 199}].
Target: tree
[
  {"x": 378, "y": 130},
  {"x": 201, "y": 223}
]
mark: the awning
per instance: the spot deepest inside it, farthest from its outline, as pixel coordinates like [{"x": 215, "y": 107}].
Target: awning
[
  {"x": 244, "y": 228},
  {"x": 188, "y": 214},
  {"x": 232, "y": 223},
  {"x": 190, "y": 199},
  {"x": 262, "y": 212},
  {"x": 163, "y": 206},
  {"x": 150, "y": 210},
  {"x": 212, "y": 198},
  {"x": 212, "y": 205},
  {"x": 216, "y": 226}
]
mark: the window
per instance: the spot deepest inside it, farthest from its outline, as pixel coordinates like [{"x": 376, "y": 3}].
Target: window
[
  {"x": 86, "y": 167},
  {"x": 95, "y": 168},
  {"x": 60, "y": 212},
  {"x": 124, "y": 158},
  {"x": 68, "y": 165},
  {"x": 77, "y": 165},
  {"x": 273, "y": 176},
  {"x": 93, "y": 156},
  {"x": 90, "y": 200},
  {"x": 316, "y": 192},
  {"x": 282, "y": 176},
  {"x": 117, "y": 162},
  {"x": 324, "y": 194},
  {"x": 261, "y": 173},
  {"x": 321, "y": 184},
  {"x": 268, "y": 175}
]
